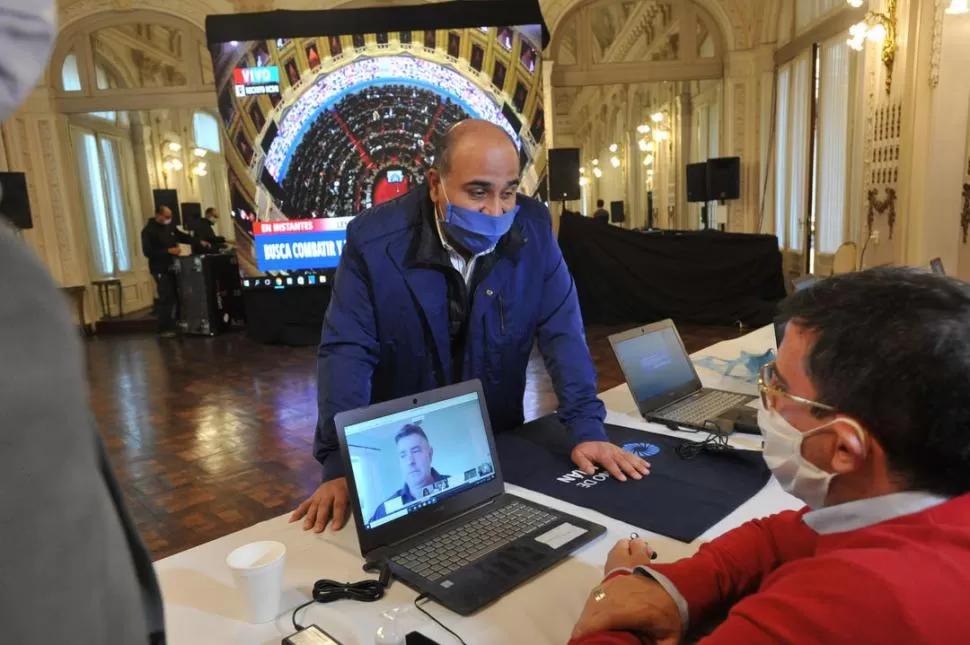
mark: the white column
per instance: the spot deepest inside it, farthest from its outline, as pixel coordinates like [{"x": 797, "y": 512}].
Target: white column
[
  {"x": 548, "y": 102},
  {"x": 37, "y": 144}
]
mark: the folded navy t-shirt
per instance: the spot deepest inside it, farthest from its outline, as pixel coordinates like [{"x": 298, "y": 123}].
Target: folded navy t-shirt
[{"x": 681, "y": 498}]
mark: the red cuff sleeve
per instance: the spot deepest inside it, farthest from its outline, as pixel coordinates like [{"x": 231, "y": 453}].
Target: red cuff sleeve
[
  {"x": 608, "y": 638},
  {"x": 733, "y": 565},
  {"x": 615, "y": 573}
]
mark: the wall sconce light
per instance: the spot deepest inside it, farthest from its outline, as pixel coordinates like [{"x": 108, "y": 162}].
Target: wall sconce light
[
  {"x": 172, "y": 163},
  {"x": 173, "y": 146},
  {"x": 583, "y": 181},
  {"x": 596, "y": 162},
  {"x": 615, "y": 161},
  {"x": 199, "y": 152},
  {"x": 597, "y": 172},
  {"x": 643, "y": 129},
  {"x": 957, "y": 7},
  {"x": 200, "y": 168},
  {"x": 648, "y": 160},
  {"x": 661, "y": 135},
  {"x": 643, "y": 145},
  {"x": 880, "y": 28},
  {"x": 657, "y": 117},
  {"x": 582, "y": 170},
  {"x": 614, "y": 148}
]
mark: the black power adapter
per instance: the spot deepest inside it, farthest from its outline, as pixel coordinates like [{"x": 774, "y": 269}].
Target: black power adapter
[{"x": 310, "y": 635}]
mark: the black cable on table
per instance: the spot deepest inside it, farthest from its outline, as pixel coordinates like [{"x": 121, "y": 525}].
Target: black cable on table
[
  {"x": 417, "y": 604},
  {"x": 325, "y": 591},
  {"x": 716, "y": 442}
]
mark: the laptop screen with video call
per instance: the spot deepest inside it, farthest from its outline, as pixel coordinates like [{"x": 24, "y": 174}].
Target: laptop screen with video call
[
  {"x": 410, "y": 460},
  {"x": 655, "y": 363}
]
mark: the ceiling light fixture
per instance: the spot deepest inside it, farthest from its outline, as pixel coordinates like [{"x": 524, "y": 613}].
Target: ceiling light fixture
[
  {"x": 880, "y": 28},
  {"x": 958, "y": 7}
]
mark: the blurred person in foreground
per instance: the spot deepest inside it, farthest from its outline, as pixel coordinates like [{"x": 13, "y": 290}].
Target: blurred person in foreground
[
  {"x": 866, "y": 419},
  {"x": 72, "y": 567}
]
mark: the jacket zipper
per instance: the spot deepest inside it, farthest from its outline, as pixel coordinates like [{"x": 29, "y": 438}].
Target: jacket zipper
[{"x": 501, "y": 314}]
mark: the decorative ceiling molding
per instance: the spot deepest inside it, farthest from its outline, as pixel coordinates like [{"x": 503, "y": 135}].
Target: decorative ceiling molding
[
  {"x": 637, "y": 24},
  {"x": 729, "y": 19},
  {"x": 936, "y": 52},
  {"x": 194, "y": 11}
]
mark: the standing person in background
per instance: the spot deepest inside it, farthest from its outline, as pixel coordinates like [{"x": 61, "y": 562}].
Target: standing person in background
[
  {"x": 203, "y": 230},
  {"x": 160, "y": 244},
  {"x": 72, "y": 567},
  {"x": 601, "y": 215}
]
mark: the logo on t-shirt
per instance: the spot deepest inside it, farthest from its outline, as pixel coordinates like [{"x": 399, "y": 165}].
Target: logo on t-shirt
[{"x": 642, "y": 449}]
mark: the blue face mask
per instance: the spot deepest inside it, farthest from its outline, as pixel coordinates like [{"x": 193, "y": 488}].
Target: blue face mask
[{"x": 477, "y": 232}]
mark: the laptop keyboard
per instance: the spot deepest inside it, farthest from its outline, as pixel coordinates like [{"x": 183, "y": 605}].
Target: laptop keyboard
[
  {"x": 694, "y": 412},
  {"x": 444, "y": 554}
]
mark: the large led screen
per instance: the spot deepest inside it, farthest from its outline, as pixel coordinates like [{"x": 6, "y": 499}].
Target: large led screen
[{"x": 321, "y": 127}]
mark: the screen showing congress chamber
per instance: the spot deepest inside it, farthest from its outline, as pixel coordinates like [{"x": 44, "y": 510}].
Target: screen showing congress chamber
[{"x": 322, "y": 128}]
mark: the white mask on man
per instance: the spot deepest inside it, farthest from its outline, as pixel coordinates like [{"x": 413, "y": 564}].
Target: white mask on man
[{"x": 783, "y": 454}]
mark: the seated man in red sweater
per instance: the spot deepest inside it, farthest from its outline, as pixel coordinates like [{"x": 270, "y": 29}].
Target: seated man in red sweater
[{"x": 866, "y": 420}]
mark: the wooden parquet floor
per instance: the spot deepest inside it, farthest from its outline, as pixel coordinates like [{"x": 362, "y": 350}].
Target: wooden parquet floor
[{"x": 209, "y": 436}]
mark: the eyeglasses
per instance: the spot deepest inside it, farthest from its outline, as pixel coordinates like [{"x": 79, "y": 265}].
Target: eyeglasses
[{"x": 770, "y": 393}]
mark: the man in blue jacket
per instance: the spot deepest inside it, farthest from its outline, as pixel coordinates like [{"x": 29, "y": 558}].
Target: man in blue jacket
[{"x": 455, "y": 281}]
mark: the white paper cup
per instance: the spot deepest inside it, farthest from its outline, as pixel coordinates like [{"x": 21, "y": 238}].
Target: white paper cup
[{"x": 257, "y": 570}]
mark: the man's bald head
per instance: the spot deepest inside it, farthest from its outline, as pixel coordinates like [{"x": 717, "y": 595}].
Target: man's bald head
[
  {"x": 472, "y": 137},
  {"x": 477, "y": 168}
]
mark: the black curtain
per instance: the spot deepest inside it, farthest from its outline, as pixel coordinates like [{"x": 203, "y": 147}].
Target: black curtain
[{"x": 699, "y": 277}]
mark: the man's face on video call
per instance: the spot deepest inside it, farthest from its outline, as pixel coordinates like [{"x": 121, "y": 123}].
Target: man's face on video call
[{"x": 415, "y": 454}]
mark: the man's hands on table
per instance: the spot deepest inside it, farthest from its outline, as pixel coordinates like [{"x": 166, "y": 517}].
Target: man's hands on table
[
  {"x": 620, "y": 463},
  {"x": 329, "y": 503},
  {"x": 631, "y": 603},
  {"x": 628, "y": 554}
]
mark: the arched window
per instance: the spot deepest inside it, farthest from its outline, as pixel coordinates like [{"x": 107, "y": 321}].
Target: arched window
[
  {"x": 70, "y": 77},
  {"x": 206, "y": 130},
  {"x": 101, "y": 77}
]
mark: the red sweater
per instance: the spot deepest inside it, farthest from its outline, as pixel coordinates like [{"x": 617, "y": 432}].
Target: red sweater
[{"x": 904, "y": 580}]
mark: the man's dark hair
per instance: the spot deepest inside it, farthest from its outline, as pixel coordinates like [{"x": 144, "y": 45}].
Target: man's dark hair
[
  {"x": 408, "y": 430},
  {"x": 892, "y": 350},
  {"x": 599, "y": 203},
  {"x": 211, "y": 209}
]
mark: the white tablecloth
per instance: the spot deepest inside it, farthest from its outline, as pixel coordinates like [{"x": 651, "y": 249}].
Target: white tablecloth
[{"x": 202, "y": 607}]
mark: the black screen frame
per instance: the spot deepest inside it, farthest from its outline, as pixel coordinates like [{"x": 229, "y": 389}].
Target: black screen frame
[
  {"x": 270, "y": 25},
  {"x": 413, "y": 523},
  {"x": 661, "y": 400}
]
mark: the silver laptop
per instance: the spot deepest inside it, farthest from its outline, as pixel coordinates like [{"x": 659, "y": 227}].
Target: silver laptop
[
  {"x": 429, "y": 500},
  {"x": 663, "y": 380}
]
